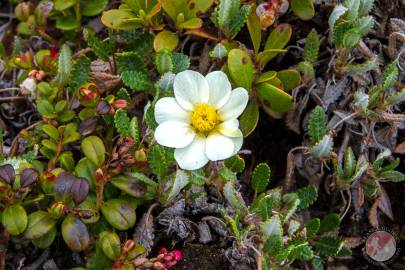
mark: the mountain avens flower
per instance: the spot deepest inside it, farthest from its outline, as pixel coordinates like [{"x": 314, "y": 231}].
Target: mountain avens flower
[{"x": 201, "y": 120}]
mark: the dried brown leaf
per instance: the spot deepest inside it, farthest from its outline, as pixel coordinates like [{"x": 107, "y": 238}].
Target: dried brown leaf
[
  {"x": 385, "y": 204},
  {"x": 373, "y": 215}
]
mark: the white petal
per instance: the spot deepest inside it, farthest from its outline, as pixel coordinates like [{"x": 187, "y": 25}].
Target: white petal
[
  {"x": 220, "y": 88},
  {"x": 174, "y": 134},
  {"x": 219, "y": 147},
  {"x": 230, "y": 128},
  {"x": 238, "y": 141},
  {"x": 190, "y": 87},
  {"x": 167, "y": 109},
  {"x": 235, "y": 105},
  {"x": 193, "y": 156}
]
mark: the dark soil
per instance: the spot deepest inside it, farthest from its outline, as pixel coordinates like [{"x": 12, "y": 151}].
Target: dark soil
[{"x": 202, "y": 257}]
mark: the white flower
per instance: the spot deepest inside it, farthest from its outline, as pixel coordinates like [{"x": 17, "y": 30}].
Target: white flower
[
  {"x": 28, "y": 85},
  {"x": 201, "y": 121}
]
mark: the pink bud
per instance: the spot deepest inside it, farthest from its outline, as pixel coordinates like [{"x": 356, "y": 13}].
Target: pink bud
[
  {"x": 178, "y": 255},
  {"x": 163, "y": 251},
  {"x": 120, "y": 104}
]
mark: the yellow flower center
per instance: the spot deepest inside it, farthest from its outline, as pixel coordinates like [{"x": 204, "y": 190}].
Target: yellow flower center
[{"x": 204, "y": 118}]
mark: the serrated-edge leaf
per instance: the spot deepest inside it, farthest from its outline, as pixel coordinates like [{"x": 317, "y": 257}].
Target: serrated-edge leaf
[
  {"x": 64, "y": 65},
  {"x": 337, "y": 12},
  {"x": 101, "y": 49},
  {"x": 390, "y": 76},
  {"x": 329, "y": 246},
  {"x": 329, "y": 223},
  {"x": 235, "y": 164},
  {"x": 323, "y": 148},
  {"x": 307, "y": 195},
  {"x": 396, "y": 98},
  {"x": 122, "y": 122},
  {"x": 181, "y": 180},
  {"x": 311, "y": 47},
  {"x": 157, "y": 160},
  {"x": 317, "y": 124},
  {"x": 239, "y": 20},
  {"x": 80, "y": 72},
  {"x": 261, "y": 177},
  {"x": 365, "y": 7},
  {"x": 234, "y": 198}
]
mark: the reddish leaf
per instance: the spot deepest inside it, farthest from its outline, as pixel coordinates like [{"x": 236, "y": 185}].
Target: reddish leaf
[
  {"x": 385, "y": 204},
  {"x": 7, "y": 174},
  {"x": 79, "y": 190},
  {"x": 64, "y": 183},
  {"x": 28, "y": 177},
  {"x": 372, "y": 214}
]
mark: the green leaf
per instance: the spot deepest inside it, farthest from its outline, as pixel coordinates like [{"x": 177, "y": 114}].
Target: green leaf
[
  {"x": 197, "y": 177},
  {"x": 317, "y": 124},
  {"x": 120, "y": 214},
  {"x": 39, "y": 224},
  {"x": 323, "y": 148},
  {"x": 304, "y": 9},
  {"x": 219, "y": 51},
  {"x": 317, "y": 263},
  {"x": 165, "y": 40},
  {"x": 94, "y": 149},
  {"x": 291, "y": 203},
  {"x": 101, "y": 49},
  {"x": 253, "y": 24},
  {"x": 273, "y": 232},
  {"x": 64, "y": 66},
  {"x": 274, "y": 98},
  {"x": 181, "y": 180},
  {"x": 392, "y": 176},
  {"x": 121, "y": 19},
  {"x": 75, "y": 234},
  {"x": 157, "y": 161},
  {"x": 98, "y": 259},
  {"x": 51, "y": 131},
  {"x": 122, "y": 122},
  {"x": 249, "y": 118},
  {"x": 134, "y": 130},
  {"x": 337, "y": 12},
  {"x": 110, "y": 244},
  {"x": 365, "y": 7},
  {"x": 301, "y": 252},
  {"x": 312, "y": 227},
  {"x": 163, "y": 61},
  {"x": 92, "y": 8},
  {"x": 350, "y": 163},
  {"x": 136, "y": 80},
  {"x": 239, "y": 20},
  {"x": 264, "y": 206},
  {"x": 241, "y": 68},
  {"x": 390, "y": 76},
  {"x": 352, "y": 9},
  {"x": 181, "y": 62},
  {"x": 396, "y": 98},
  {"x": 234, "y": 198},
  {"x": 329, "y": 246},
  {"x": 261, "y": 177},
  {"x": 307, "y": 195},
  {"x": 235, "y": 164},
  {"x": 361, "y": 101},
  {"x": 46, "y": 240},
  {"x": 130, "y": 61},
  {"x": 277, "y": 40},
  {"x": 311, "y": 49},
  {"x": 330, "y": 223},
  {"x": 290, "y": 78},
  {"x": 14, "y": 219},
  {"x": 86, "y": 168},
  {"x": 61, "y": 5}
]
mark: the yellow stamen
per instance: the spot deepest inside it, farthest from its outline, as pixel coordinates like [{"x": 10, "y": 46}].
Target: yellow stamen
[{"x": 204, "y": 118}]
